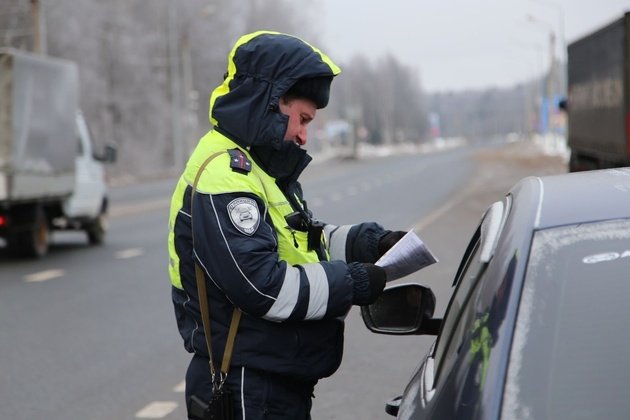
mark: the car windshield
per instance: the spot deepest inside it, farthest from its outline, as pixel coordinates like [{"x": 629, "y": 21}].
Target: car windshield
[{"x": 570, "y": 351}]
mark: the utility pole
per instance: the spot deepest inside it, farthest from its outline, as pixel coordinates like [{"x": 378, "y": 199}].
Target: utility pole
[
  {"x": 189, "y": 106},
  {"x": 174, "y": 75},
  {"x": 551, "y": 75},
  {"x": 39, "y": 27}
]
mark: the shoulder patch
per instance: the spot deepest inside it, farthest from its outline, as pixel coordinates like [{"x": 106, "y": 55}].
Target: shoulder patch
[
  {"x": 244, "y": 215},
  {"x": 239, "y": 162}
]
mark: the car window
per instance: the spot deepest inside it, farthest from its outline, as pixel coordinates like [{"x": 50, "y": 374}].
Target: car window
[
  {"x": 451, "y": 335},
  {"x": 569, "y": 357}
]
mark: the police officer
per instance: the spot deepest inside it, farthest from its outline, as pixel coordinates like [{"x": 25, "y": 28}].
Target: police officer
[{"x": 257, "y": 243}]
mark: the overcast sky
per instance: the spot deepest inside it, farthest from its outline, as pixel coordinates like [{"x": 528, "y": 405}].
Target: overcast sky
[{"x": 459, "y": 44}]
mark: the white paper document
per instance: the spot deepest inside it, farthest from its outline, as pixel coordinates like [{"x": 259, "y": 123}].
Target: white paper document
[{"x": 407, "y": 256}]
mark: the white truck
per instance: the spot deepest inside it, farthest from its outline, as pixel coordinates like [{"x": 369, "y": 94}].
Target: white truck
[{"x": 50, "y": 177}]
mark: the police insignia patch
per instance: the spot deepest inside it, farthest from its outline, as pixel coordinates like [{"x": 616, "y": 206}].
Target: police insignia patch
[{"x": 244, "y": 215}]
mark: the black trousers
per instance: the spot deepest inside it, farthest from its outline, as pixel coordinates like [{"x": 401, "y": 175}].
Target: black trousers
[{"x": 257, "y": 395}]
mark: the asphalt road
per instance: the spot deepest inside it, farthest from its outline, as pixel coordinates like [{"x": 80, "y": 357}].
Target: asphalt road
[{"x": 89, "y": 333}]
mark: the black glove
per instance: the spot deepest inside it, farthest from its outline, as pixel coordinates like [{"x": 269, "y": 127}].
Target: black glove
[
  {"x": 369, "y": 282},
  {"x": 388, "y": 240}
]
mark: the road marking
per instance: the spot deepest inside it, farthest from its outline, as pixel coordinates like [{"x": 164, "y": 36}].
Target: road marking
[
  {"x": 129, "y": 253},
  {"x": 157, "y": 410},
  {"x": 180, "y": 387},
  {"x": 135, "y": 208},
  {"x": 44, "y": 275},
  {"x": 437, "y": 213},
  {"x": 459, "y": 198}
]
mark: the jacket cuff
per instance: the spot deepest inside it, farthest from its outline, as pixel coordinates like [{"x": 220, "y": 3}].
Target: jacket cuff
[
  {"x": 363, "y": 242},
  {"x": 361, "y": 283}
]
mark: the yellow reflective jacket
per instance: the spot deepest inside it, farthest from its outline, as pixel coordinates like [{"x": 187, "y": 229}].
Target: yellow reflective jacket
[{"x": 293, "y": 296}]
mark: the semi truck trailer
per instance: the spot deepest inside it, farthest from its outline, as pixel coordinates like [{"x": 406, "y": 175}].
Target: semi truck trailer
[{"x": 599, "y": 98}]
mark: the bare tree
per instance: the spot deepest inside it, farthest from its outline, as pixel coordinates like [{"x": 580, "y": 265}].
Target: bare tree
[
  {"x": 147, "y": 68},
  {"x": 385, "y": 96}
]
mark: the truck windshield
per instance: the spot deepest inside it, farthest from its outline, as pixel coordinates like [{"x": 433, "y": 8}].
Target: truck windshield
[{"x": 569, "y": 357}]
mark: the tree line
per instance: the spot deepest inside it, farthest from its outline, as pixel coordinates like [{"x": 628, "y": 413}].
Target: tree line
[{"x": 147, "y": 68}]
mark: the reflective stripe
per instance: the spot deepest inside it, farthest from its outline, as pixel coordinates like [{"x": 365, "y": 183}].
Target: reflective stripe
[
  {"x": 337, "y": 243},
  {"x": 318, "y": 293},
  {"x": 287, "y": 298},
  {"x": 328, "y": 230},
  {"x": 242, "y": 391}
]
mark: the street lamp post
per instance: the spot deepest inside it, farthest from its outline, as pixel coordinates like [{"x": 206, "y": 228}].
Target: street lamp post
[
  {"x": 537, "y": 91},
  {"x": 551, "y": 74},
  {"x": 558, "y": 8}
]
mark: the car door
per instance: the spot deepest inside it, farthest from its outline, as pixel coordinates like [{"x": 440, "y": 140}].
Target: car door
[
  {"x": 428, "y": 395},
  {"x": 418, "y": 399},
  {"x": 89, "y": 190}
]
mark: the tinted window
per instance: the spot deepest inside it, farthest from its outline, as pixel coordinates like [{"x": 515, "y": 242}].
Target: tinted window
[
  {"x": 570, "y": 352},
  {"x": 452, "y": 334}
]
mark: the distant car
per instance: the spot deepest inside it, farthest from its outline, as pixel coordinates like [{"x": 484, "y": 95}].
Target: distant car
[{"x": 538, "y": 323}]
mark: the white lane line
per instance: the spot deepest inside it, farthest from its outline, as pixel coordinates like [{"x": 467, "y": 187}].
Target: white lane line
[
  {"x": 44, "y": 275},
  {"x": 129, "y": 253},
  {"x": 458, "y": 198},
  {"x": 157, "y": 410},
  {"x": 180, "y": 387},
  {"x": 136, "y": 208}
]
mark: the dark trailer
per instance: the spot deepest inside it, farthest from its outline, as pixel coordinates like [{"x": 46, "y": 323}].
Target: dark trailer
[{"x": 599, "y": 96}]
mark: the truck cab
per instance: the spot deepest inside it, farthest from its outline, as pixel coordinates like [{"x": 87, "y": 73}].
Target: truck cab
[{"x": 87, "y": 206}]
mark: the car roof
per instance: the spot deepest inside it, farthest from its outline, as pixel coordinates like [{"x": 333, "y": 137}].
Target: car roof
[{"x": 578, "y": 197}]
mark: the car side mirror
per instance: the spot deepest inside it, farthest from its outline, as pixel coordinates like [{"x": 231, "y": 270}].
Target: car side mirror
[
  {"x": 402, "y": 309},
  {"x": 109, "y": 155},
  {"x": 563, "y": 104}
]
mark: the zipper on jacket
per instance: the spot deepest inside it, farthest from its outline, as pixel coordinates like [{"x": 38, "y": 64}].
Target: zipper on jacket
[{"x": 295, "y": 242}]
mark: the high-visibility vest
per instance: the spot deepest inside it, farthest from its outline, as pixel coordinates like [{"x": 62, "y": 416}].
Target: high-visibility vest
[{"x": 219, "y": 178}]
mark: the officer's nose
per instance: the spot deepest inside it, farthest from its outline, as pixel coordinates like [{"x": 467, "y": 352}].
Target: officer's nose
[{"x": 301, "y": 136}]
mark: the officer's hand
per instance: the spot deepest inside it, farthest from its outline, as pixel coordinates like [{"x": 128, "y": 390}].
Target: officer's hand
[
  {"x": 388, "y": 240},
  {"x": 369, "y": 282}
]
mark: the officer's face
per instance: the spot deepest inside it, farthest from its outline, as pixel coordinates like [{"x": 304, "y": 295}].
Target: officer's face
[{"x": 300, "y": 112}]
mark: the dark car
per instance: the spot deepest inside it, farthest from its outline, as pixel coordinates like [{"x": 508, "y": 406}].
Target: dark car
[{"x": 538, "y": 325}]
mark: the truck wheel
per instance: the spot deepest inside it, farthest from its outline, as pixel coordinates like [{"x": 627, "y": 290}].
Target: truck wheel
[
  {"x": 96, "y": 229},
  {"x": 32, "y": 242}
]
